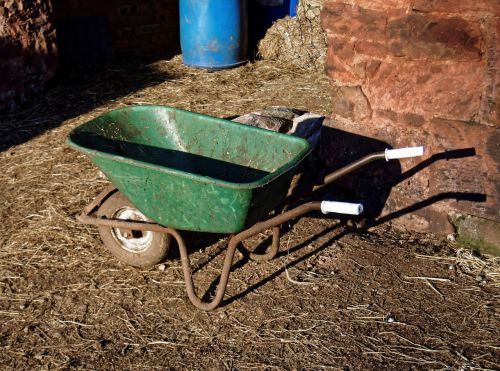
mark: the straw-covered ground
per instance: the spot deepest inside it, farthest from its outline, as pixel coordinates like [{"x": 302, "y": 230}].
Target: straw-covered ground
[{"x": 337, "y": 298}]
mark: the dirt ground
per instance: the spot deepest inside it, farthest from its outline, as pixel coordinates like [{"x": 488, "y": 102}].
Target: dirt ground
[{"x": 336, "y": 297}]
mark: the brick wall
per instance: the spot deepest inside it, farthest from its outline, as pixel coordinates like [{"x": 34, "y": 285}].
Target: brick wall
[
  {"x": 422, "y": 72},
  {"x": 134, "y": 27},
  {"x": 27, "y": 50}
]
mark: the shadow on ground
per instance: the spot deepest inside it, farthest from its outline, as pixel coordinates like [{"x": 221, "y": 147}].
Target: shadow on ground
[{"x": 75, "y": 92}]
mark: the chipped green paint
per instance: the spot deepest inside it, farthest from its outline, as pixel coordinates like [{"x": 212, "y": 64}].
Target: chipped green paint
[{"x": 191, "y": 171}]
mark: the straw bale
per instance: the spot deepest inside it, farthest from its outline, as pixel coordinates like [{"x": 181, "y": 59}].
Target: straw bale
[{"x": 297, "y": 40}]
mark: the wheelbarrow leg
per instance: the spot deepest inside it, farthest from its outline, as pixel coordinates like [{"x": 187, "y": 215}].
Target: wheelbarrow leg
[
  {"x": 272, "y": 251},
  {"x": 188, "y": 277},
  {"x": 231, "y": 249}
]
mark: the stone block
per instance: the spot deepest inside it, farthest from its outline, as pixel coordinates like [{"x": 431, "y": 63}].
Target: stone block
[
  {"x": 426, "y": 37},
  {"x": 490, "y": 104},
  {"x": 382, "y": 4},
  {"x": 375, "y": 49},
  {"x": 411, "y": 37},
  {"x": 452, "y": 91},
  {"x": 351, "y": 102},
  {"x": 462, "y": 7},
  {"x": 354, "y": 21},
  {"x": 422, "y": 72},
  {"x": 458, "y": 173},
  {"x": 478, "y": 234},
  {"x": 340, "y": 62}
]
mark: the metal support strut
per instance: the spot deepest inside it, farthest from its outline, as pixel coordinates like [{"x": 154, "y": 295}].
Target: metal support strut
[
  {"x": 274, "y": 223},
  {"x": 272, "y": 251},
  {"x": 231, "y": 249}
]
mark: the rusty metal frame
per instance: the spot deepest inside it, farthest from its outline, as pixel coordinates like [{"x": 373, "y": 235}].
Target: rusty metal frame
[{"x": 86, "y": 217}]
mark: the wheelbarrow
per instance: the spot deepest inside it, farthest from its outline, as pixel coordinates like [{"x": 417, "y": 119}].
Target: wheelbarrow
[{"x": 173, "y": 170}]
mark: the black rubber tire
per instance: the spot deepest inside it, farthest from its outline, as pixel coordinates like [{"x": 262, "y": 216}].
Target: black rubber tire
[{"x": 153, "y": 251}]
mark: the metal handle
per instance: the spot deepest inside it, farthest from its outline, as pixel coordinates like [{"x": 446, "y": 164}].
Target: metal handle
[
  {"x": 392, "y": 154},
  {"x": 388, "y": 154},
  {"x": 347, "y": 208}
]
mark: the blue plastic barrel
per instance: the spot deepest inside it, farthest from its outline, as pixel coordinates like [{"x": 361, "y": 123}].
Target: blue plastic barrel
[
  {"x": 293, "y": 7},
  {"x": 277, "y": 9},
  {"x": 264, "y": 12},
  {"x": 214, "y": 33}
]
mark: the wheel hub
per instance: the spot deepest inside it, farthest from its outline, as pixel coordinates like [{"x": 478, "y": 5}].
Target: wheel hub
[{"x": 132, "y": 240}]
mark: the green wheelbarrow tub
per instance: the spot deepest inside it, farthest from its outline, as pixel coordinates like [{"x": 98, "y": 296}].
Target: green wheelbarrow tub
[{"x": 190, "y": 171}]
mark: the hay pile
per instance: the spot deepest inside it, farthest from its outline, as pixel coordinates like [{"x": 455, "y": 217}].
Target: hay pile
[{"x": 299, "y": 40}]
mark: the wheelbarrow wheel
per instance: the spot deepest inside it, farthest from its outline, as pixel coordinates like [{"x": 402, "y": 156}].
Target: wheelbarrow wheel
[{"x": 141, "y": 249}]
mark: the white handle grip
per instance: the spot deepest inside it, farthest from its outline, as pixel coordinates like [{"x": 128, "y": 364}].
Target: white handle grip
[
  {"x": 391, "y": 154},
  {"x": 341, "y": 208}
]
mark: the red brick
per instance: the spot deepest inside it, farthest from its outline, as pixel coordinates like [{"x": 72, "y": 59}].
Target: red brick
[
  {"x": 128, "y": 18},
  {"x": 345, "y": 73},
  {"x": 140, "y": 19},
  {"x": 153, "y": 28},
  {"x": 404, "y": 120},
  {"x": 121, "y": 43},
  {"x": 116, "y": 3},
  {"x": 143, "y": 7},
  {"x": 116, "y": 22}
]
